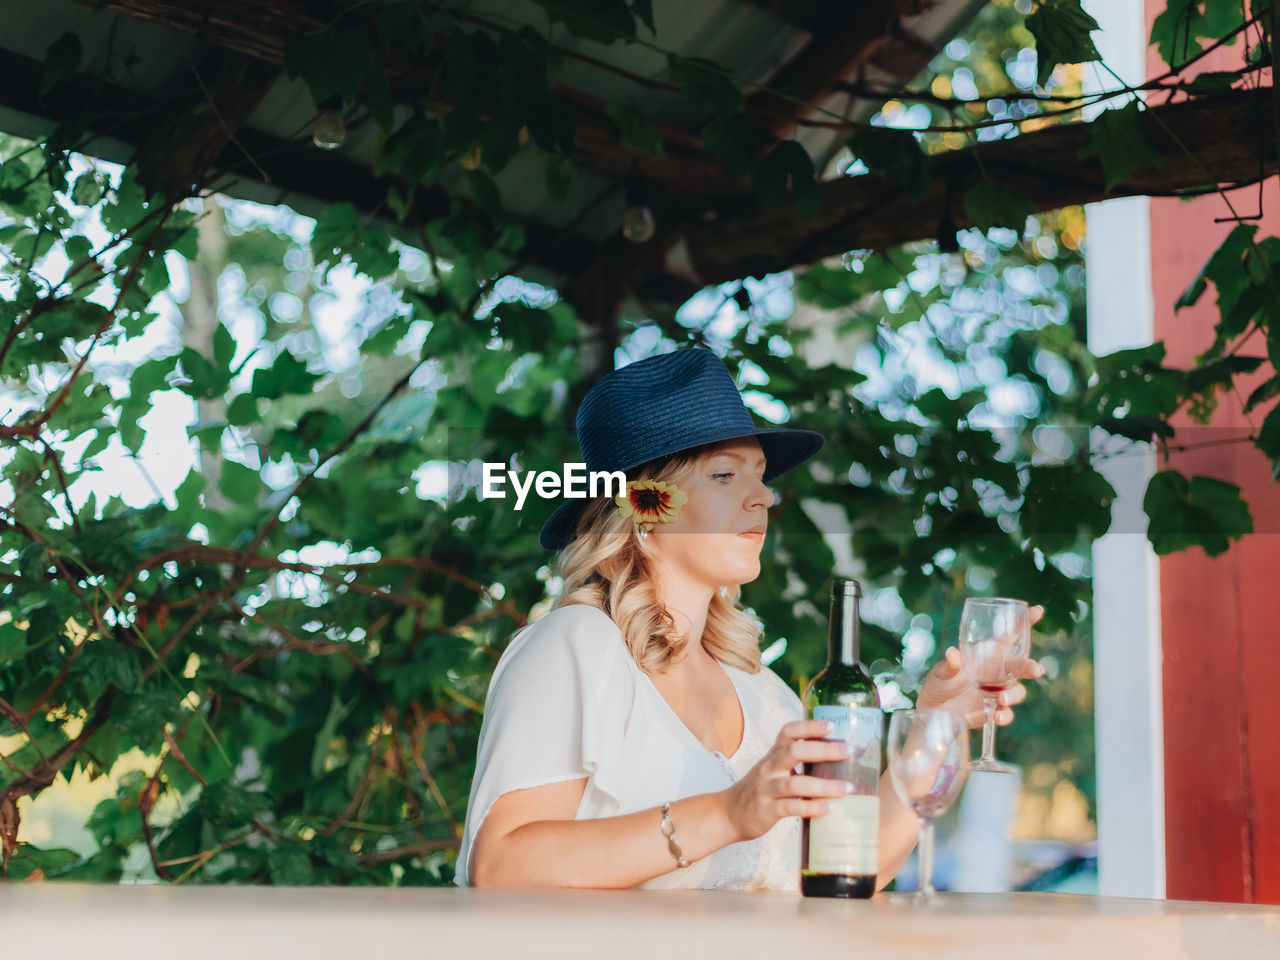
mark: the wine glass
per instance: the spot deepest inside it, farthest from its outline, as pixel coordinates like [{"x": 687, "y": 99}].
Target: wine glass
[
  {"x": 927, "y": 752},
  {"x": 995, "y": 640}
]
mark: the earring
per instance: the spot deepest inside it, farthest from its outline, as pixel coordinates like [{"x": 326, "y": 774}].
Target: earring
[{"x": 644, "y": 532}]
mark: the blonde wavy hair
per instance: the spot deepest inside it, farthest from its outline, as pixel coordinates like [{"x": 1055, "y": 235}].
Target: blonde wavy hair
[{"x": 608, "y": 566}]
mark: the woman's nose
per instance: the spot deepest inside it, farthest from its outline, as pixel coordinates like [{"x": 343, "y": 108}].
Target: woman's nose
[{"x": 760, "y": 495}]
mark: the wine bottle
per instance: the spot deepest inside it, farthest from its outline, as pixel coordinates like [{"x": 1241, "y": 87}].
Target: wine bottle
[{"x": 839, "y": 850}]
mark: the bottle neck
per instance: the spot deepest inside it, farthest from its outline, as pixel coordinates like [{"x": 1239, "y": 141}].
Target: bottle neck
[{"x": 843, "y": 626}]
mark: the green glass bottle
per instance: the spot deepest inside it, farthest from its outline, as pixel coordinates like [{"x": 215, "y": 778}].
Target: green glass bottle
[{"x": 839, "y": 851}]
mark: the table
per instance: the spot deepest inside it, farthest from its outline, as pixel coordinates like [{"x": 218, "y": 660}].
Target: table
[{"x": 40, "y": 920}]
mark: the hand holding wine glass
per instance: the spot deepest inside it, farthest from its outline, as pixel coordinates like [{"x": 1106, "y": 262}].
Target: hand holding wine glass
[
  {"x": 927, "y": 751},
  {"x": 995, "y": 640},
  {"x": 949, "y": 686}
]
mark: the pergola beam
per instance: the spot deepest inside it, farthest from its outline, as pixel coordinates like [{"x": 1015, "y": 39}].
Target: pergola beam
[
  {"x": 1213, "y": 140},
  {"x": 261, "y": 29}
]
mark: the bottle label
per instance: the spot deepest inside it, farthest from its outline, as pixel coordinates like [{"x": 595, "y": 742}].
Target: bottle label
[
  {"x": 844, "y": 840},
  {"x": 859, "y": 727}
]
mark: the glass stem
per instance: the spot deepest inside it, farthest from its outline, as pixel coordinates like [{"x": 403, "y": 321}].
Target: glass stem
[
  {"x": 926, "y": 858},
  {"x": 989, "y": 729}
]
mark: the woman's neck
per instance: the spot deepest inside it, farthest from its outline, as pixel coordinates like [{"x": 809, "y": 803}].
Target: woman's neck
[{"x": 687, "y": 602}]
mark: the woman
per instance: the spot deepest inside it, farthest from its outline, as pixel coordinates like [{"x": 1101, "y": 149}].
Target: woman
[{"x": 637, "y": 712}]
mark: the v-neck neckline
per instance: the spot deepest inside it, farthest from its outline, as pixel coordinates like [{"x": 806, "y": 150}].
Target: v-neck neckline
[{"x": 685, "y": 727}]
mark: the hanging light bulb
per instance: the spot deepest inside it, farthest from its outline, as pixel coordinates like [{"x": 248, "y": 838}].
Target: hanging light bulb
[
  {"x": 638, "y": 224},
  {"x": 330, "y": 131}
]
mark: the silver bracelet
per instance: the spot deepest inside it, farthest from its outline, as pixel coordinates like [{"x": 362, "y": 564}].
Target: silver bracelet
[{"x": 668, "y": 831}]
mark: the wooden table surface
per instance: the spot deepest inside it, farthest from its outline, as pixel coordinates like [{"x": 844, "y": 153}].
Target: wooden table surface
[{"x": 86, "y": 922}]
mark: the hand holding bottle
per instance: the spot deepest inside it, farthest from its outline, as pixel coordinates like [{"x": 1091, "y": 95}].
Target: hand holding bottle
[{"x": 772, "y": 790}]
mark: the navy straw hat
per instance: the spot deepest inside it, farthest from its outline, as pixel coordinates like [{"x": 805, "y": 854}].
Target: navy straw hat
[{"x": 656, "y": 407}]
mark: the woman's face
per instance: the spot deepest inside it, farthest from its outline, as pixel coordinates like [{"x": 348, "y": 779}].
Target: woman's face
[{"x": 715, "y": 539}]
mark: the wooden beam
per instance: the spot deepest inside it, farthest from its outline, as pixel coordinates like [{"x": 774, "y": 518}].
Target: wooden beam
[
  {"x": 1230, "y": 138},
  {"x": 809, "y": 15},
  {"x": 309, "y": 178},
  {"x": 193, "y": 132},
  {"x": 849, "y": 36},
  {"x": 263, "y": 28}
]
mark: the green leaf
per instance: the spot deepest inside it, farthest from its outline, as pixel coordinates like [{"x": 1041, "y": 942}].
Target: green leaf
[
  {"x": 227, "y": 805},
  {"x": 105, "y": 662},
  {"x": 338, "y": 231},
  {"x": 261, "y": 693},
  {"x": 991, "y": 203},
  {"x": 61, "y": 60},
  {"x": 243, "y": 410},
  {"x": 90, "y": 187},
  {"x": 787, "y": 161},
  {"x": 1226, "y": 268},
  {"x": 1269, "y": 437},
  {"x": 553, "y": 128},
  {"x": 732, "y": 141},
  {"x": 1115, "y": 137},
  {"x": 643, "y": 9},
  {"x": 1212, "y": 84},
  {"x": 1061, "y": 30},
  {"x": 894, "y": 155},
  {"x": 335, "y": 230},
  {"x": 415, "y": 151},
  {"x": 1220, "y": 372},
  {"x": 1177, "y": 30},
  {"x": 381, "y": 104},
  {"x": 637, "y": 135},
  {"x": 224, "y": 347},
  {"x": 373, "y": 253},
  {"x": 831, "y": 288},
  {"x": 1202, "y": 512},
  {"x": 13, "y": 642},
  {"x": 1268, "y": 391},
  {"x": 705, "y": 84},
  {"x": 331, "y": 64},
  {"x": 206, "y": 380},
  {"x": 1191, "y": 296},
  {"x": 287, "y": 374},
  {"x": 128, "y": 206},
  {"x": 404, "y": 24},
  {"x": 290, "y": 865},
  {"x": 241, "y": 484},
  {"x": 603, "y": 21}
]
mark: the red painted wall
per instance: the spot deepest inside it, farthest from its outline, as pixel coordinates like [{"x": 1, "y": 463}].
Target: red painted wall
[{"x": 1221, "y": 616}]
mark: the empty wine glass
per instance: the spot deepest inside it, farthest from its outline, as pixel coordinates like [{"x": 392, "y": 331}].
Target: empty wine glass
[
  {"x": 995, "y": 640},
  {"x": 927, "y": 752}
]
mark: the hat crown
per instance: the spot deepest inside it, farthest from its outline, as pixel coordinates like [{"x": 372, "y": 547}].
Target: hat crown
[{"x": 658, "y": 406}]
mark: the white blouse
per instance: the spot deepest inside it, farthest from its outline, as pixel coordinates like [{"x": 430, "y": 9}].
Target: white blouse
[{"x": 567, "y": 700}]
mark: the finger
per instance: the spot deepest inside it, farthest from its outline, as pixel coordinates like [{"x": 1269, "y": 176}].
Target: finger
[
  {"x": 950, "y": 666},
  {"x": 1035, "y": 613},
  {"x": 817, "y": 787},
  {"x": 801, "y": 729},
  {"x": 803, "y": 808},
  {"x": 1011, "y": 695},
  {"x": 815, "y": 751},
  {"x": 1004, "y": 717}
]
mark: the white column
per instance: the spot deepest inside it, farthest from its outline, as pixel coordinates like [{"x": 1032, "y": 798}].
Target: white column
[{"x": 1128, "y": 712}]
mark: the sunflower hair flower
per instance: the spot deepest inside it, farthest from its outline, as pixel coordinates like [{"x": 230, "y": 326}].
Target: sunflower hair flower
[{"x": 651, "y": 501}]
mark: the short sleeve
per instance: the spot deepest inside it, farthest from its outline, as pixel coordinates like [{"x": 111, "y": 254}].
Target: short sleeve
[{"x": 552, "y": 713}]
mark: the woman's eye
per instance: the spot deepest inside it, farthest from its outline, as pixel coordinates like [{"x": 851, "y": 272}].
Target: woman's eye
[{"x": 721, "y": 477}]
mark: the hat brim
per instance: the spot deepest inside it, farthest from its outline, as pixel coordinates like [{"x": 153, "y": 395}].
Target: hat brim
[{"x": 783, "y": 449}]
